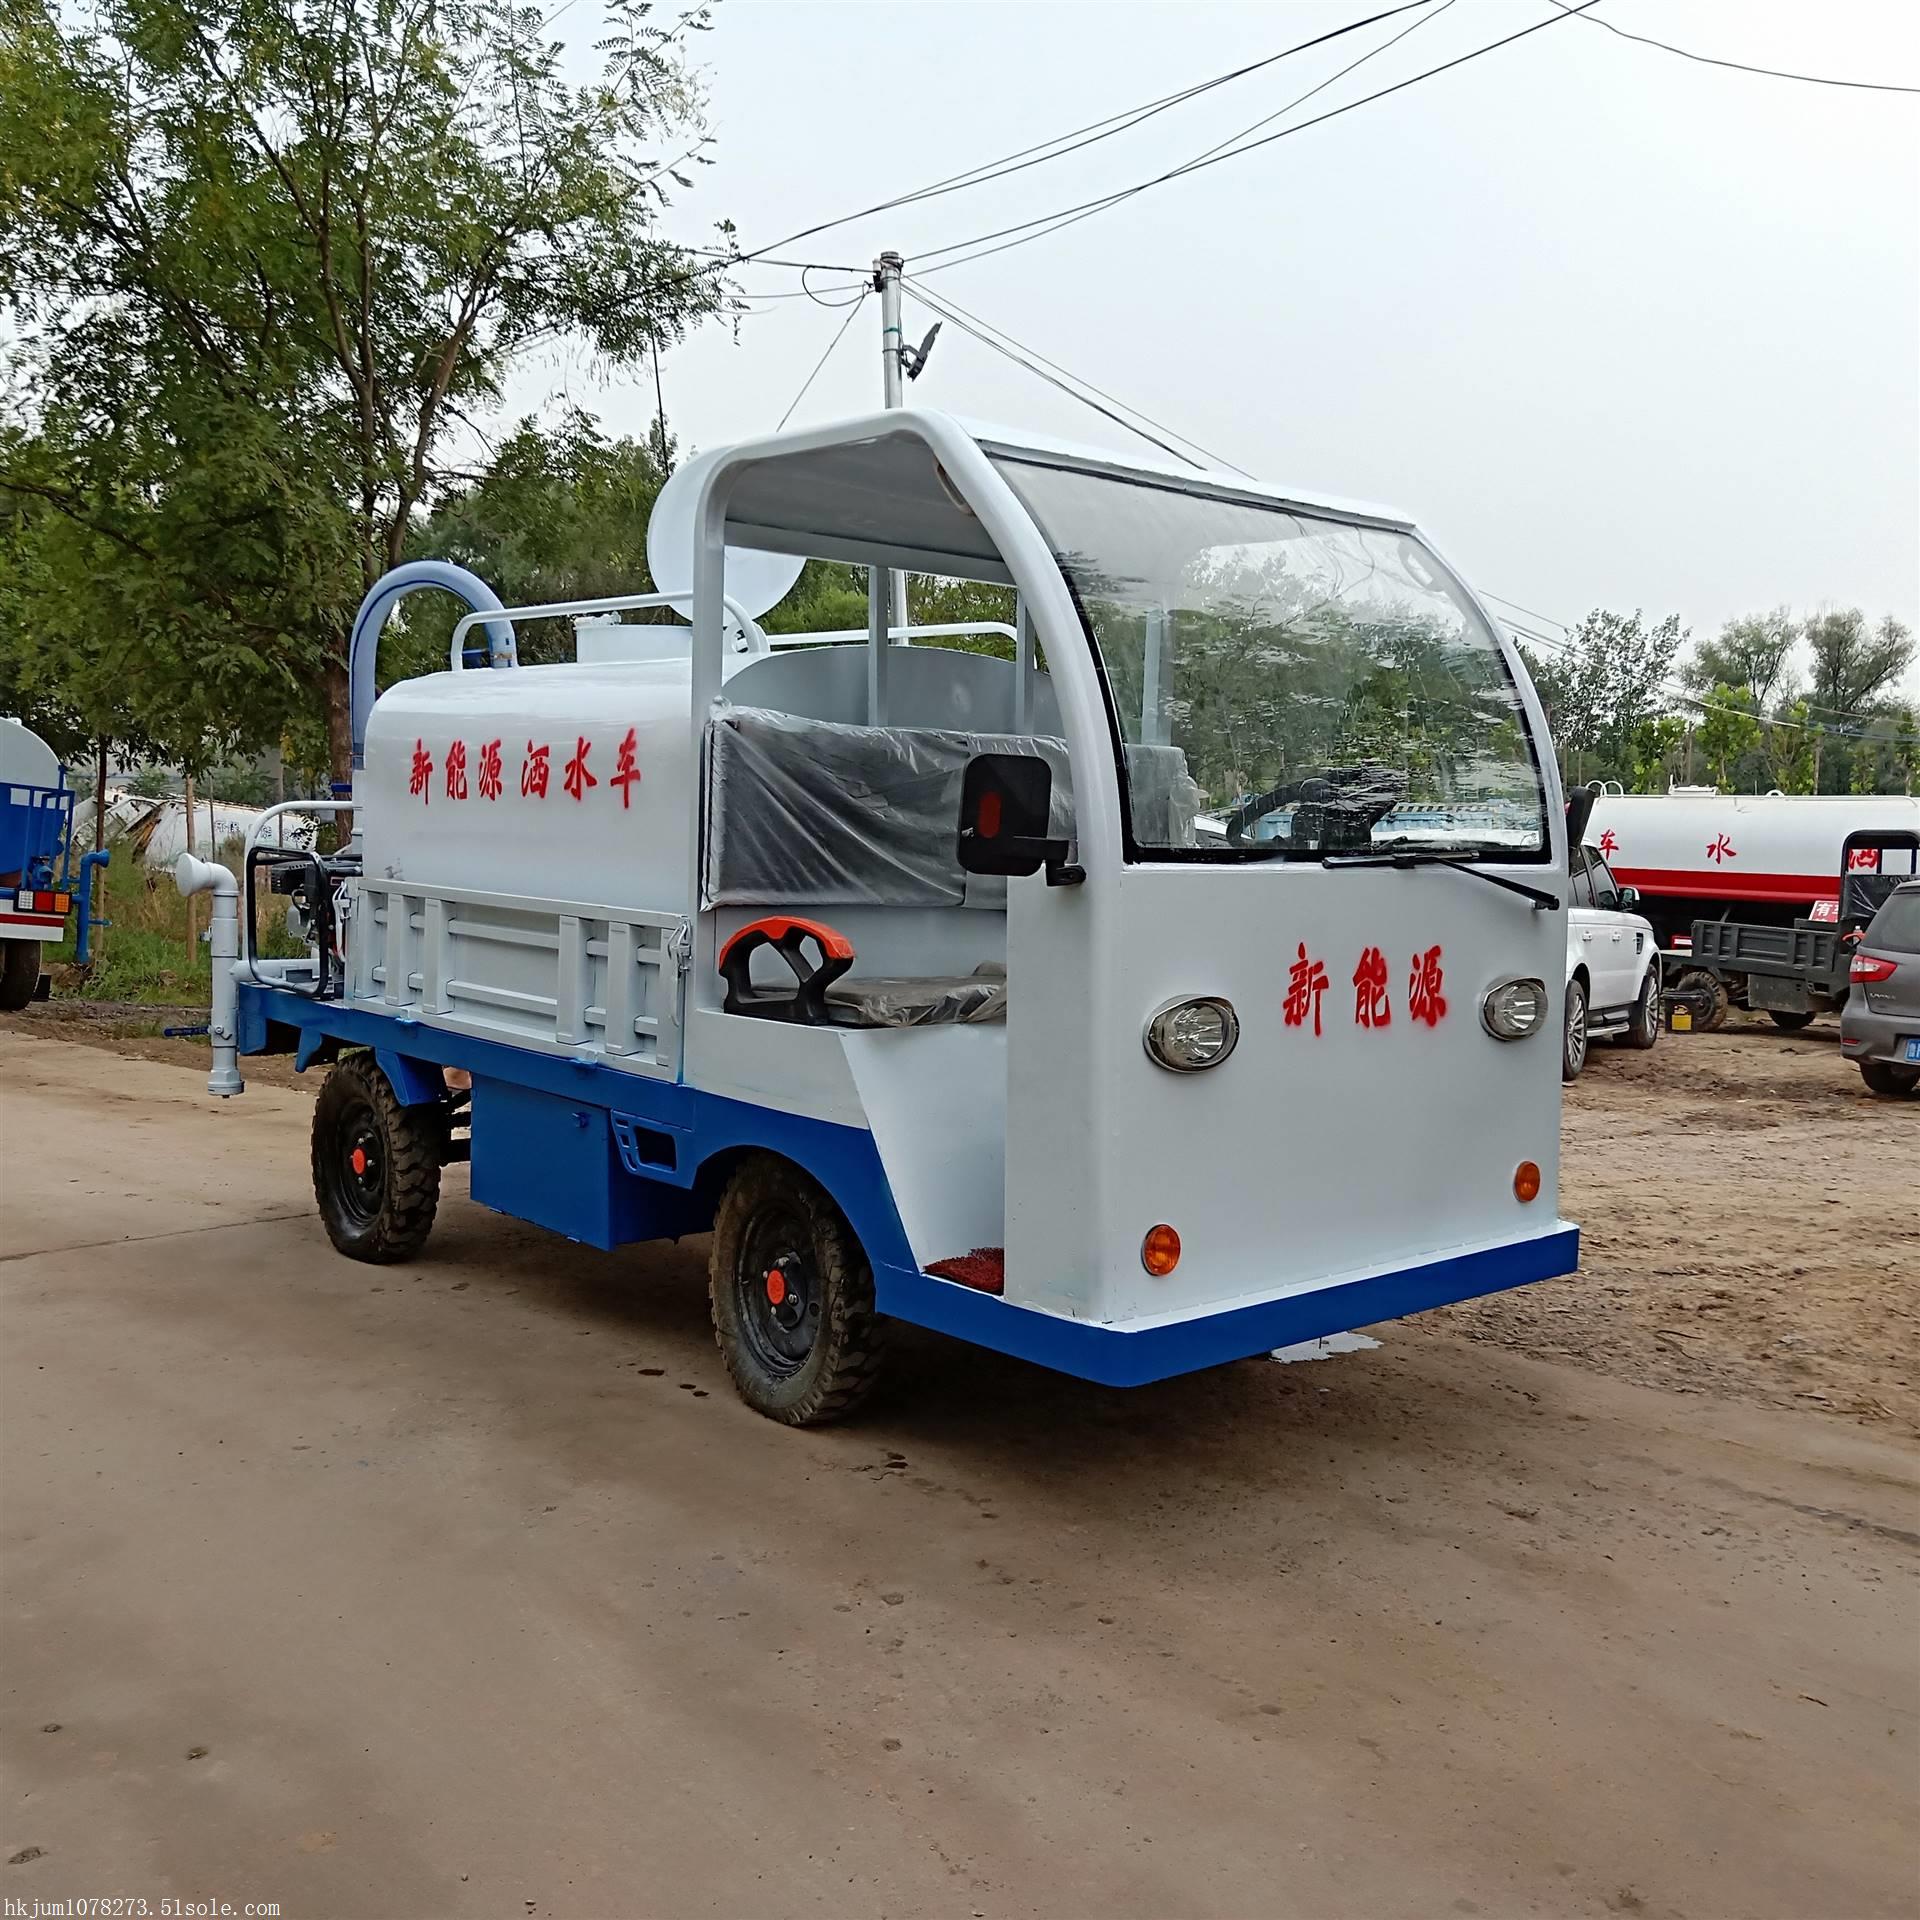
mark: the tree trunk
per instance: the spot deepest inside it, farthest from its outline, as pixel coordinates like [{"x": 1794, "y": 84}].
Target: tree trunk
[
  {"x": 338, "y": 694},
  {"x": 100, "y": 797}
]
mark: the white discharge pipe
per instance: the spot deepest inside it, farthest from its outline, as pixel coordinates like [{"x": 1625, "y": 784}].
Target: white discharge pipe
[{"x": 191, "y": 876}]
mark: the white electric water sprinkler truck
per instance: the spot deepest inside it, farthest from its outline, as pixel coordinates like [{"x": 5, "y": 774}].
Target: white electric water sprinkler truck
[{"x": 905, "y": 970}]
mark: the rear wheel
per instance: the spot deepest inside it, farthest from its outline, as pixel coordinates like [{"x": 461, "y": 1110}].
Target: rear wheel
[
  {"x": 1573, "y": 1032},
  {"x": 19, "y": 973},
  {"x": 376, "y": 1164},
  {"x": 792, "y": 1297},
  {"x": 1883, "y": 1077},
  {"x": 1643, "y": 1029},
  {"x": 1792, "y": 1022}
]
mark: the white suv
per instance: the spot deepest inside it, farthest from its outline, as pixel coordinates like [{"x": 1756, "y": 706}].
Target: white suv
[{"x": 1613, "y": 965}]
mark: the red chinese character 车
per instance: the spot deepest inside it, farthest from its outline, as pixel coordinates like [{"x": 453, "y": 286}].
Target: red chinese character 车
[
  {"x": 1720, "y": 850},
  {"x": 457, "y": 770},
  {"x": 421, "y": 779},
  {"x": 1609, "y": 843},
  {"x": 1370, "y": 1005},
  {"x": 490, "y": 771},
  {"x": 577, "y": 779},
  {"x": 534, "y": 773},
  {"x": 1425, "y": 1001},
  {"x": 627, "y": 773},
  {"x": 1306, "y": 982}
]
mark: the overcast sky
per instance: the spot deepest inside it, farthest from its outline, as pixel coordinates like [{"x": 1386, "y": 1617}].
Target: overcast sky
[{"x": 1618, "y": 328}]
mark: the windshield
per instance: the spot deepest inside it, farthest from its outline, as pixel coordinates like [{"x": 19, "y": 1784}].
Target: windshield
[{"x": 1286, "y": 685}]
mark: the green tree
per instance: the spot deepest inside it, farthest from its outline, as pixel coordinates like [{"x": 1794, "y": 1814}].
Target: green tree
[
  {"x": 1853, "y": 665},
  {"x": 1753, "y": 653},
  {"x": 1728, "y": 731},
  {"x": 1605, "y": 684},
  {"x": 264, "y": 259}
]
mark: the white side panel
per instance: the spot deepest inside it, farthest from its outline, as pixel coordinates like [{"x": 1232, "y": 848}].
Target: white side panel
[
  {"x": 591, "y": 982},
  {"x": 936, "y": 1099},
  {"x": 25, "y": 759},
  {"x": 801, "y": 1070}
]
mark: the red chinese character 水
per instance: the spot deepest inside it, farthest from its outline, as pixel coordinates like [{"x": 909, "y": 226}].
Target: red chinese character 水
[
  {"x": 534, "y": 773},
  {"x": 1370, "y": 1006},
  {"x": 490, "y": 771},
  {"x": 627, "y": 773},
  {"x": 1425, "y": 1001},
  {"x": 421, "y": 780},
  {"x": 457, "y": 770},
  {"x": 1306, "y": 982},
  {"x": 577, "y": 779},
  {"x": 1609, "y": 843},
  {"x": 1720, "y": 850}
]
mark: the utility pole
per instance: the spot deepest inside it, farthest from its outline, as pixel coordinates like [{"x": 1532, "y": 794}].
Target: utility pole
[{"x": 886, "y": 279}]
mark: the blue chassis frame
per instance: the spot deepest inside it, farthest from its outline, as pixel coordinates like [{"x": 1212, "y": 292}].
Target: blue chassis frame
[{"x": 846, "y": 1161}]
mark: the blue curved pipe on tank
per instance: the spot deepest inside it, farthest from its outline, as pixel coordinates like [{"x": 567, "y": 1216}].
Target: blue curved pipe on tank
[{"x": 383, "y": 596}]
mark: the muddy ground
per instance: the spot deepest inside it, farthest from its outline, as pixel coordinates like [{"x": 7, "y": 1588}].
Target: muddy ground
[{"x": 466, "y": 1588}]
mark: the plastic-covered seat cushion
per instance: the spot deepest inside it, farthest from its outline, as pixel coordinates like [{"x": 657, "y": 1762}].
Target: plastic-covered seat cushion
[{"x": 973, "y": 999}]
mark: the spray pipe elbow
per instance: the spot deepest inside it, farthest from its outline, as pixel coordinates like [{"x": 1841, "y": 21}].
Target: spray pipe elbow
[{"x": 193, "y": 875}]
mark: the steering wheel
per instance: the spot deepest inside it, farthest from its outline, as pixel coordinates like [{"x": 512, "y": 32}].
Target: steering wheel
[{"x": 1330, "y": 788}]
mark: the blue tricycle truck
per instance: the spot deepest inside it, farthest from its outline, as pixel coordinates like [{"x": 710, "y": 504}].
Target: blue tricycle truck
[{"x": 40, "y": 882}]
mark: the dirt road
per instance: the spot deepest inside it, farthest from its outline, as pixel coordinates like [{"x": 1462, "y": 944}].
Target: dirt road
[{"x": 466, "y": 1588}]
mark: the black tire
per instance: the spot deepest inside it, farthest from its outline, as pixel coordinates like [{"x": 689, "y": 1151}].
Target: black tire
[
  {"x": 1884, "y": 1078},
  {"x": 1643, "y": 1029},
  {"x": 19, "y": 973},
  {"x": 1704, "y": 979},
  {"x": 792, "y": 1297},
  {"x": 376, "y": 1164},
  {"x": 1573, "y": 1031},
  {"x": 1792, "y": 1022}
]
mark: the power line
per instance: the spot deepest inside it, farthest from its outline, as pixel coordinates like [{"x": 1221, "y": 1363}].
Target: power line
[
  {"x": 1094, "y": 131},
  {"x": 1740, "y": 66},
  {"x": 951, "y": 309},
  {"x": 1071, "y": 219},
  {"x": 853, "y": 307},
  {"x": 1039, "y": 373},
  {"x": 1057, "y": 216}
]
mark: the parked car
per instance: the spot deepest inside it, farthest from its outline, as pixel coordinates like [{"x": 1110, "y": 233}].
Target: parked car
[
  {"x": 1880, "y": 1024},
  {"x": 1613, "y": 964}
]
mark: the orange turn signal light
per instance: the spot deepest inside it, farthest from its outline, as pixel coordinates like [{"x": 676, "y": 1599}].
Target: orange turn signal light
[
  {"x": 1160, "y": 1251},
  {"x": 1526, "y": 1181}
]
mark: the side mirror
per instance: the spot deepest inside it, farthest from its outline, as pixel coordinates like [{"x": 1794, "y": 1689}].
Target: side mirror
[
  {"x": 1006, "y": 803},
  {"x": 1629, "y": 898}
]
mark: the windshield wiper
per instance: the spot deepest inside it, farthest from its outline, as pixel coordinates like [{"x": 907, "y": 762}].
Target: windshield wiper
[{"x": 1542, "y": 902}]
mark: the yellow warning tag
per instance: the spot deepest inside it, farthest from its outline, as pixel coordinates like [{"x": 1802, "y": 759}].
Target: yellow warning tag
[{"x": 1682, "y": 1020}]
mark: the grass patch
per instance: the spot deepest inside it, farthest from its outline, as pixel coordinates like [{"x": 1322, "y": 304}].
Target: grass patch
[{"x": 144, "y": 956}]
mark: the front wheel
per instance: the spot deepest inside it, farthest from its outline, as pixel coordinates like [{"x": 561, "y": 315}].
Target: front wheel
[
  {"x": 1883, "y": 1077},
  {"x": 792, "y": 1297},
  {"x": 1792, "y": 1022},
  {"x": 376, "y": 1164},
  {"x": 1703, "y": 980},
  {"x": 19, "y": 973},
  {"x": 1573, "y": 1032},
  {"x": 1644, "y": 1027}
]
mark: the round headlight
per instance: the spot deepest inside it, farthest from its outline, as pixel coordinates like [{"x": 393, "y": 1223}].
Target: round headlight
[
  {"x": 1514, "y": 1009},
  {"x": 1186, "y": 1035}
]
